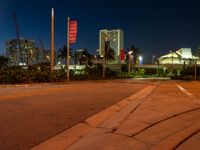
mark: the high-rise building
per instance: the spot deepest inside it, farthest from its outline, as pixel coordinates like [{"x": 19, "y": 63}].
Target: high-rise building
[
  {"x": 25, "y": 56},
  {"x": 115, "y": 39}
]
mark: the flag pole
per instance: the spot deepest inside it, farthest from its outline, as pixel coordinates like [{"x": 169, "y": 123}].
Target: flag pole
[
  {"x": 52, "y": 39},
  {"x": 68, "y": 19}
]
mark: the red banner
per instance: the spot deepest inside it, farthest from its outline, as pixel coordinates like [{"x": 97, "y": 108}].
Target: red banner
[
  {"x": 122, "y": 55},
  {"x": 72, "y": 31}
]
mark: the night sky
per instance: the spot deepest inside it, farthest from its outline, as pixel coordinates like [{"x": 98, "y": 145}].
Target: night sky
[{"x": 154, "y": 26}]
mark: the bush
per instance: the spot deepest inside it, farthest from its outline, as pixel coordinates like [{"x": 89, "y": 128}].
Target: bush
[{"x": 41, "y": 73}]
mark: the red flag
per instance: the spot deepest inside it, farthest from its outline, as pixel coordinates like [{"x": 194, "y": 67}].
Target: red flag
[
  {"x": 72, "y": 31},
  {"x": 122, "y": 55}
]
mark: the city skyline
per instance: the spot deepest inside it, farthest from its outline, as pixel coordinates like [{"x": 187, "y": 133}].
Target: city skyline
[{"x": 155, "y": 27}]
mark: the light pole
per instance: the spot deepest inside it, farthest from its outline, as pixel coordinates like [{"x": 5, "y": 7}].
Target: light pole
[
  {"x": 77, "y": 53},
  {"x": 129, "y": 61},
  {"x": 104, "y": 54},
  {"x": 153, "y": 59},
  {"x": 140, "y": 62},
  {"x": 195, "y": 69},
  {"x": 172, "y": 62},
  {"x": 158, "y": 63},
  {"x": 52, "y": 39},
  {"x": 95, "y": 59}
]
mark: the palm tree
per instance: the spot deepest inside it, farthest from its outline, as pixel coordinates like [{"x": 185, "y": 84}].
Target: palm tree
[
  {"x": 85, "y": 57},
  {"x": 109, "y": 55},
  {"x": 82, "y": 57},
  {"x": 63, "y": 53},
  {"x": 135, "y": 53}
]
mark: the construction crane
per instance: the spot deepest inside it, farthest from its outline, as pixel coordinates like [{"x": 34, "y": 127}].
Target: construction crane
[
  {"x": 41, "y": 50},
  {"x": 18, "y": 37}
]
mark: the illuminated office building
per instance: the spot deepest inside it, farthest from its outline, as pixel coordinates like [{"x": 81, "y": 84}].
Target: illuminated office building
[
  {"x": 23, "y": 55},
  {"x": 115, "y": 39}
]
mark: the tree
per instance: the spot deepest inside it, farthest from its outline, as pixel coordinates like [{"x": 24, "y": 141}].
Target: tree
[
  {"x": 85, "y": 57},
  {"x": 62, "y": 53},
  {"x": 135, "y": 52},
  {"x": 109, "y": 55},
  {"x": 82, "y": 57},
  {"x": 3, "y": 62}
]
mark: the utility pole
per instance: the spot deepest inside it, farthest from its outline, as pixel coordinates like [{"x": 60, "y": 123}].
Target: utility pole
[
  {"x": 195, "y": 69},
  {"x": 52, "y": 39},
  {"x": 67, "y": 63},
  {"x": 129, "y": 63}
]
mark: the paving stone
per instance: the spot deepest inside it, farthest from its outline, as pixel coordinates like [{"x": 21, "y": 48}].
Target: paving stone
[
  {"x": 157, "y": 133},
  {"x": 193, "y": 143},
  {"x": 109, "y": 142},
  {"x": 174, "y": 140},
  {"x": 130, "y": 127},
  {"x": 114, "y": 121},
  {"x": 118, "y": 118},
  {"x": 98, "y": 118},
  {"x": 64, "y": 139},
  {"x": 147, "y": 115}
]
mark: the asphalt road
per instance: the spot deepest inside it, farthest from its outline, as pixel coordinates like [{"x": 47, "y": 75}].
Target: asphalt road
[
  {"x": 162, "y": 116},
  {"x": 30, "y": 114}
]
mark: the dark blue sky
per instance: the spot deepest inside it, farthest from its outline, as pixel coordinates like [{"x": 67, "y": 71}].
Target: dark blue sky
[{"x": 155, "y": 26}]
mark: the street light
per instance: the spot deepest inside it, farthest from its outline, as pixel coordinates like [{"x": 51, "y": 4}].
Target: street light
[
  {"x": 129, "y": 61},
  {"x": 153, "y": 59},
  {"x": 172, "y": 61},
  {"x": 75, "y": 59},
  {"x": 140, "y": 62},
  {"x": 104, "y": 54}
]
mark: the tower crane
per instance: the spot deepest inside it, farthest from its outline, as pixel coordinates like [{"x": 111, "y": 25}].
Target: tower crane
[{"x": 18, "y": 37}]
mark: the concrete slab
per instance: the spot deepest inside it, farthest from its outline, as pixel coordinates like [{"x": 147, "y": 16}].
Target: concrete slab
[
  {"x": 131, "y": 127},
  {"x": 192, "y": 143},
  {"x": 162, "y": 130},
  {"x": 98, "y": 118},
  {"x": 118, "y": 118},
  {"x": 147, "y": 115},
  {"x": 64, "y": 139},
  {"x": 109, "y": 142},
  {"x": 174, "y": 140}
]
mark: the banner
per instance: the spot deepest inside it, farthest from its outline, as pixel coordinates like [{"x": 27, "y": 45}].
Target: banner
[
  {"x": 122, "y": 55},
  {"x": 72, "y": 31}
]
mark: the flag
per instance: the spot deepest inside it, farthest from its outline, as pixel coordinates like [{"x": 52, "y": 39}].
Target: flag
[
  {"x": 122, "y": 55},
  {"x": 72, "y": 31}
]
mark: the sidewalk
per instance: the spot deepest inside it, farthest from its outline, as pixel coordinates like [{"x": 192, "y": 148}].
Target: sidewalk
[{"x": 159, "y": 117}]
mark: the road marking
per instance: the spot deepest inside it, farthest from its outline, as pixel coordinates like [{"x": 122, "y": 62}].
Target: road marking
[{"x": 184, "y": 91}]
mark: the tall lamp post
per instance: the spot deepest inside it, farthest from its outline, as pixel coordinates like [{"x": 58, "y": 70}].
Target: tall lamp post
[
  {"x": 195, "y": 69},
  {"x": 172, "y": 57},
  {"x": 140, "y": 62},
  {"x": 129, "y": 62},
  {"x": 77, "y": 53},
  {"x": 104, "y": 54},
  {"x": 52, "y": 40}
]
